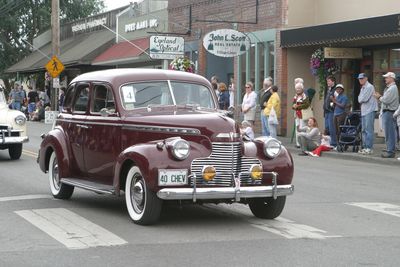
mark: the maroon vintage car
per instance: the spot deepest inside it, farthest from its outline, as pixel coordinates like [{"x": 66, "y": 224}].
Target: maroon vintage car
[{"x": 158, "y": 136}]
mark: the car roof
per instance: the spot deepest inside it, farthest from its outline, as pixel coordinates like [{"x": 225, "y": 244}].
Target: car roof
[{"x": 124, "y": 75}]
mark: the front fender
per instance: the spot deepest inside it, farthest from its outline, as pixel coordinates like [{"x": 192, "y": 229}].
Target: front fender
[
  {"x": 282, "y": 164},
  {"x": 149, "y": 158},
  {"x": 55, "y": 141}
]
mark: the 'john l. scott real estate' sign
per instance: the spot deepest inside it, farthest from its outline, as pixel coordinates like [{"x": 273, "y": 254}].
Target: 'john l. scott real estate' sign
[{"x": 226, "y": 43}]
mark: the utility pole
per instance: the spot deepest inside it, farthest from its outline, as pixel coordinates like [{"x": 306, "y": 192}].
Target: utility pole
[{"x": 55, "y": 33}]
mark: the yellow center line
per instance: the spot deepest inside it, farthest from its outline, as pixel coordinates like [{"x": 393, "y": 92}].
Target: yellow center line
[{"x": 29, "y": 153}]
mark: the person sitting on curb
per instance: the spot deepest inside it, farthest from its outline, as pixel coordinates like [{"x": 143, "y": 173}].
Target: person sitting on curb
[
  {"x": 246, "y": 131},
  {"x": 325, "y": 145},
  {"x": 309, "y": 137}
]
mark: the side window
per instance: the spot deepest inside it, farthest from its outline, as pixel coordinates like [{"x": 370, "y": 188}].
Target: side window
[
  {"x": 69, "y": 96},
  {"x": 103, "y": 98},
  {"x": 82, "y": 98}
]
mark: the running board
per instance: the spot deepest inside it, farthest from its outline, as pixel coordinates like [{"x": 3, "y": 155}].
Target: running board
[{"x": 92, "y": 186}]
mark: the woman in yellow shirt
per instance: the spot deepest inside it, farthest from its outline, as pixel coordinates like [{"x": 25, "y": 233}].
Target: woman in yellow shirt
[{"x": 272, "y": 111}]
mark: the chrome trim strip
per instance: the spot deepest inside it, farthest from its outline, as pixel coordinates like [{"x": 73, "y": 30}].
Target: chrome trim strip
[
  {"x": 228, "y": 135},
  {"x": 224, "y": 192},
  {"x": 138, "y": 127},
  {"x": 163, "y": 129}
]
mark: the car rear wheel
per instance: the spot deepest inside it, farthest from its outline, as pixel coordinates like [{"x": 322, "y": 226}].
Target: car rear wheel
[
  {"x": 267, "y": 208},
  {"x": 58, "y": 189},
  {"x": 15, "y": 151},
  {"x": 143, "y": 205}
]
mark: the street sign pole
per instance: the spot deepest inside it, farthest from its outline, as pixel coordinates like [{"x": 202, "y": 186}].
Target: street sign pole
[{"x": 55, "y": 29}]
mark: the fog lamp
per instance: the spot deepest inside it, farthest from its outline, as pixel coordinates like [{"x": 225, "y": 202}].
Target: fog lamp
[
  {"x": 209, "y": 173},
  {"x": 256, "y": 172}
]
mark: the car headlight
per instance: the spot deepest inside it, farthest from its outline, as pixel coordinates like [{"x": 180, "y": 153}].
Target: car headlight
[
  {"x": 180, "y": 149},
  {"x": 272, "y": 148},
  {"x": 20, "y": 120}
]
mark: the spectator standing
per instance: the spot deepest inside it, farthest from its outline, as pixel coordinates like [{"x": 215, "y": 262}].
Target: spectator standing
[
  {"x": 329, "y": 108},
  {"x": 341, "y": 101},
  {"x": 33, "y": 97},
  {"x": 16, "y": 97},
  {"x": 265, "y": 94},
  {"x": 273, "y": 106},
  {"x": 223, "y": 96},
  {"x": 214, "y": 83},
  {"x": 61, "y": 99},
  {"x": 389, "y": 104},
  {"x": 396, "y": 116},
  {"x": 44, "y": 98},
  {"x": 249, "y": 103},
  {"x": 369, "y": 106},
  {"x": 300, "y": 102},
  {"x": 309, "y": 136},
  {"x": 232, "y": 92}
]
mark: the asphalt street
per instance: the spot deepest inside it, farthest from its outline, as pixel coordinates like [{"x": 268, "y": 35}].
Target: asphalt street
[{"x": 343, "y": 213}]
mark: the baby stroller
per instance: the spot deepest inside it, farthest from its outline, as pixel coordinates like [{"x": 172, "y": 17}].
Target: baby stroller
[{"x": 350, "y": 132}]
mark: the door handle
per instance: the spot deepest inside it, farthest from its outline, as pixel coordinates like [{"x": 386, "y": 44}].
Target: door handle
[{"x": 82, "y": 126}]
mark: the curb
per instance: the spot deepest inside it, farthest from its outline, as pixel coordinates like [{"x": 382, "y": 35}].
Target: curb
[{"x": 350, "y": 156}]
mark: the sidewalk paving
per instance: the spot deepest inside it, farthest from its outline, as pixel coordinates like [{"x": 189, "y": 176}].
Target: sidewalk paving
[{"x": 375, "y": 157}]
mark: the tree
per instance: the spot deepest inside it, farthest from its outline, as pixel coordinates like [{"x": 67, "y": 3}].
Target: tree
[{"x": 25, "y": 19}]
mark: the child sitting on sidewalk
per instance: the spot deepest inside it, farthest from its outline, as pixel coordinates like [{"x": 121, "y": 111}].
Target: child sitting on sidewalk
[
  {"x": 325, "y": 146},
  {"x": 246, "y": 131}
]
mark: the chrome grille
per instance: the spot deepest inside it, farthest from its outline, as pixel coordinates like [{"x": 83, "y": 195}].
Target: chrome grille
[{"x": 227, "y": 160}]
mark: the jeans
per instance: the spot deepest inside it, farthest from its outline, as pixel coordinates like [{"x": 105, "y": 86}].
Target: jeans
[
  {"x": 367, "y": 124},
  {"x": 330, "y": 125},
  {"x": 388, "y": 125},
  {"x": 16, "y": 105},
  {"x": 264, "y": 124},
  {"x": 273, "y": 130}
]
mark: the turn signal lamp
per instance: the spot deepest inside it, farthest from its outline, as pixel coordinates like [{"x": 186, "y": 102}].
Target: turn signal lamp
[
  {"x": 256, "y": 172},
  {"x": 209, "y": 173}
]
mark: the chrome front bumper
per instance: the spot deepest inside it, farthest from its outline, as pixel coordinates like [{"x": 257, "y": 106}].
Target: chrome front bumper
[
  {"x": 13, "y": 140},
  {"x": 235, "y": 193}
]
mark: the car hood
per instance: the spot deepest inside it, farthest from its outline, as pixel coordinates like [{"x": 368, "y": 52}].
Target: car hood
[
  {"x": 215, "y": 125},
  {"x": 7, "y": 115}
]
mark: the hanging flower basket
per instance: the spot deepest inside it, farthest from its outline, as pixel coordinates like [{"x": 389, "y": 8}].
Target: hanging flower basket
[
  {"x": 182, "y": 64},
  {"x": 322, "y": 68}
]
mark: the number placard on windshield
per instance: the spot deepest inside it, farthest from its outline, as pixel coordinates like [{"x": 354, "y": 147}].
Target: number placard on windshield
[{"x": 129, "y": 94}]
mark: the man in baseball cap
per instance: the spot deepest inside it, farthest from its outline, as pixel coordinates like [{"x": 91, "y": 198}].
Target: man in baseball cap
[{"x": 390, "y": 102}]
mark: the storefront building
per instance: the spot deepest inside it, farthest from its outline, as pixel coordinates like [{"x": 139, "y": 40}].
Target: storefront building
[
  {"x": 134, "y": 26},
  {"x": 81, "y": 42},
  {"x": 257, "y": 19},
  {"x": 367, "y": 41}
]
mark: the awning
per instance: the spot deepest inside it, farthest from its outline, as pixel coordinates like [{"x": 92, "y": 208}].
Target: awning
[
  {"x": 124, "y": 53},
  {"x": 386, "y": 27},
  {"x": 78, "y": 50}
]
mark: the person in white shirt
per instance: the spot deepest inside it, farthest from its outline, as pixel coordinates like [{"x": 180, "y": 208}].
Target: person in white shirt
[{"x": 249, "y": 103}]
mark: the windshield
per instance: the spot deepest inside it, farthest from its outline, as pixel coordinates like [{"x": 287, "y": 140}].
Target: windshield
[{"x": 139, "y": 95}]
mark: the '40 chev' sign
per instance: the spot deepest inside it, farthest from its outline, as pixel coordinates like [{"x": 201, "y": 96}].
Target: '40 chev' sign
[{"x": 226, "y": 43}]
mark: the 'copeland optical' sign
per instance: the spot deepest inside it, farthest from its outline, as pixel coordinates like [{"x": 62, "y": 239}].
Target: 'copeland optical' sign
[
  {"x": 226, "y": 43},
  {"x": 166, "y": 47}
]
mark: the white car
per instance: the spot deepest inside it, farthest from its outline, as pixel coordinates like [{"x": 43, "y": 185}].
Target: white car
[{"x": 12, "y": 128}]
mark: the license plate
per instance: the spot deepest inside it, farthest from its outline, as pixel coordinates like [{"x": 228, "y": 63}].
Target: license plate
[{"x": 172, "y": 177}]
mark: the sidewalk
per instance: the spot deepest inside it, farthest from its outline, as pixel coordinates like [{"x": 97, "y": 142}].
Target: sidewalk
[{"x": 348, "y": 155}]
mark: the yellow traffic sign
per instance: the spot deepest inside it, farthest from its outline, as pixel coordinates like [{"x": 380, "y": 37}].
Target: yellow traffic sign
[{"x": 54, "y": 67}]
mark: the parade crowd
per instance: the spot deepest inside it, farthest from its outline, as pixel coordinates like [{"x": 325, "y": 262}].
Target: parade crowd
[{"x": 337, "y": 109}]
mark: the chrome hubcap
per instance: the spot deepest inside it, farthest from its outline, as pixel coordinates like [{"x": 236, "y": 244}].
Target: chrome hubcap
[
  {"x": 56, "y": 177},
  {"x": 138, "y": 195}
]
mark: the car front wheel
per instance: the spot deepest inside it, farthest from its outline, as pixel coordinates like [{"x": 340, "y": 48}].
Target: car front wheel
[
  {"x": 15, "y": 151},
  {"x": 58, "y": 189},
  {"x": 143, "y": 205},
  {"x": 267, "y": 208}
]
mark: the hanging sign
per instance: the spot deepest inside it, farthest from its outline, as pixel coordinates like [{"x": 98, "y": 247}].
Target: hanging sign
[
  {"x": 166, "y": 47},
  {"x": 343, "y": 52},
  {"x": 226, "y": 43}
]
